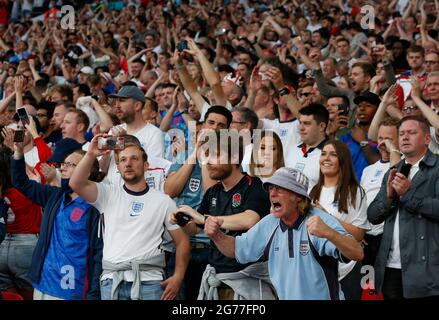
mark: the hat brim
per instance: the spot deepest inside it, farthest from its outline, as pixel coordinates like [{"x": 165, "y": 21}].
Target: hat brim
[
  {"x": 360, "y": 99},
  {"x": 299, "y": 192},
  {"x": 117, "y": 95}
]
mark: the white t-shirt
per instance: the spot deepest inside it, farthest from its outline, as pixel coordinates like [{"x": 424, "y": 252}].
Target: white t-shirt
[
  {"x": 157, "y": 171},
  {"x": 31, "y": 157},
  {"x": 288, "y": 130},
  {"x": 371, "y": 181},
  {"x": 151, "y": 140},
  {"x": 134, "y": 225},
  {"x": 309, "y": 165},
  {"x": 394, "y": 259},
  {"x": 245, "y": 164},
  {"x": 155, "y": 176},
  {"x": 356, "y": 216}
]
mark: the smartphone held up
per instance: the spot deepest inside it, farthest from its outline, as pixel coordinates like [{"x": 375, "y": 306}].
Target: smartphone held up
[{"x": 111, "y": 143}]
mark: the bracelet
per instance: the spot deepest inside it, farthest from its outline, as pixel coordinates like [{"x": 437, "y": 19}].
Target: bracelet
[{"x": 395, "y": 150}]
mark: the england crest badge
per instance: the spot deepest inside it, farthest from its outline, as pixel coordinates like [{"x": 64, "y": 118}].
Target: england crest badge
[
  {"x": 136, "y": 208},
  {"x": 304, "y": 247},
  {"x": 194, "y": 184},
  {"x": 236, "y": 200}
]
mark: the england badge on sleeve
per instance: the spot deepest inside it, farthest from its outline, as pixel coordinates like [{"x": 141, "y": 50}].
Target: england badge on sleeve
[{"x": 136, "y": 208}]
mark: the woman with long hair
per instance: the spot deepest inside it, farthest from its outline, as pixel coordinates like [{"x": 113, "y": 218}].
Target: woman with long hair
[
  {"x": 267, "y": 155},
  {"x": 339, "y": 194}
]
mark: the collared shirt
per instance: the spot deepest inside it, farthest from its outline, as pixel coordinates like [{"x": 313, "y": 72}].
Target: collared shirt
[
  {"x": 307, "y": 162},
  {"x": 394, "y": 259},
  {"x": 301, "y": 266},
  {"x": 247, "y": 194}
]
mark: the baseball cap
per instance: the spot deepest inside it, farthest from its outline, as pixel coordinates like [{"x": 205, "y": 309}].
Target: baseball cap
[
  {"x": 87, "y": 70},
  {"x": 290, "y": 179},
  {"x": 368, "y": 97},
  {"x": 132, "y": 92}
]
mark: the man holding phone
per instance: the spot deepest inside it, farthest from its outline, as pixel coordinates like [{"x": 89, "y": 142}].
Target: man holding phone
[
  {"x": 407, "y": 265},
  {"x": 136, "y": 217}
]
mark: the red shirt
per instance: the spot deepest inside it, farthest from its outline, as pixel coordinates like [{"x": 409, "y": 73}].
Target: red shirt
[{"x": 27, "y": 214}]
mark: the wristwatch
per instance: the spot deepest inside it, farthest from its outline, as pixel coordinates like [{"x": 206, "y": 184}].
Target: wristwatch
[
  {"x": 364, "y": 143},
  {"x": 284, "y": 91}
]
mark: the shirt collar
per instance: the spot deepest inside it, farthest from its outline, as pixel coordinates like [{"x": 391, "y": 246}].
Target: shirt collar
[{"x": 295, "y": 226}]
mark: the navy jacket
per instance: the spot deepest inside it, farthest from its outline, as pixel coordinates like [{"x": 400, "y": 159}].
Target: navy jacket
[{"x": 50, "y": 198}]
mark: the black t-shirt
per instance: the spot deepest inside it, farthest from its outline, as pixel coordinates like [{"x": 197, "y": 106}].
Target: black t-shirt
[{"x": 248, "y": 194}]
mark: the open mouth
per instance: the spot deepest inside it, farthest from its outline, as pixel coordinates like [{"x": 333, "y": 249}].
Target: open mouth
[{"x": 276, "y": 206}]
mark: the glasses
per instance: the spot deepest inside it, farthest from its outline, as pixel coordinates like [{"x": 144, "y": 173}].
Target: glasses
[
  {"x": 409, "y": 108},
  {"x": 68, "y": 164},
  {"x": 305, "y": 94},
  {"x": 430, "y": 62}
]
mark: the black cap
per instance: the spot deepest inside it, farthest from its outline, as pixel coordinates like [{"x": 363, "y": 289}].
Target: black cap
[{"x": 369, "y": 97}]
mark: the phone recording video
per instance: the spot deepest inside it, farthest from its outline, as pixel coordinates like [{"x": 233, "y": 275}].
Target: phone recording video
[
  {"x": 344, "y": 108},
  {"x": 111, "y": 143},
  {"x": 19, "y": 135}
]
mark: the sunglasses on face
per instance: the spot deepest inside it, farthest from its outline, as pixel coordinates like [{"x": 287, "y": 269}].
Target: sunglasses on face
[{"x": 409, "y": 108}]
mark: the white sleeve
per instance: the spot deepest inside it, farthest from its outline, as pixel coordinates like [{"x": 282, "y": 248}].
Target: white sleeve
[
  {"x": 358, "y": 216},
  {"x": 104, "y": 192},
  {"x": 155, "y": 145},
  {"x": 169, "y": 210}
]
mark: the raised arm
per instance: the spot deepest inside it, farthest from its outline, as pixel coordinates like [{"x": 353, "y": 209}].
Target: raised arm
[
  {"x": 427, "y": 112},
  {"x": 187, "y": 82},
  {"x": 79, "y": 182},
  {"x": 212, "y": 77},
  {"x": 105, "y": 121},
  {"x": 165, "y": 124},
  {"x": 275, "y": 76},
  {"x": 388, "y": 99}
]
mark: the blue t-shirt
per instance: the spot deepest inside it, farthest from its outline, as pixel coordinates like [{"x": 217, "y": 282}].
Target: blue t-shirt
[
  {"x": 65, "y": 265},
  {"x": 358, "y": 158},
  {"x": 177, "y": 122},
  {"x": 191, "y": 195},
  {"x": 298, "y": 269}
]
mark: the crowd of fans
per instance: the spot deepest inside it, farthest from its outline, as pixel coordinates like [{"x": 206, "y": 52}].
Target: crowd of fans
[{"x": 104, "y": 149}]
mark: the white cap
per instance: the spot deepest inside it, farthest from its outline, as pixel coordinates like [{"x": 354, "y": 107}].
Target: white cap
[{"x": 87, "y": 70}]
